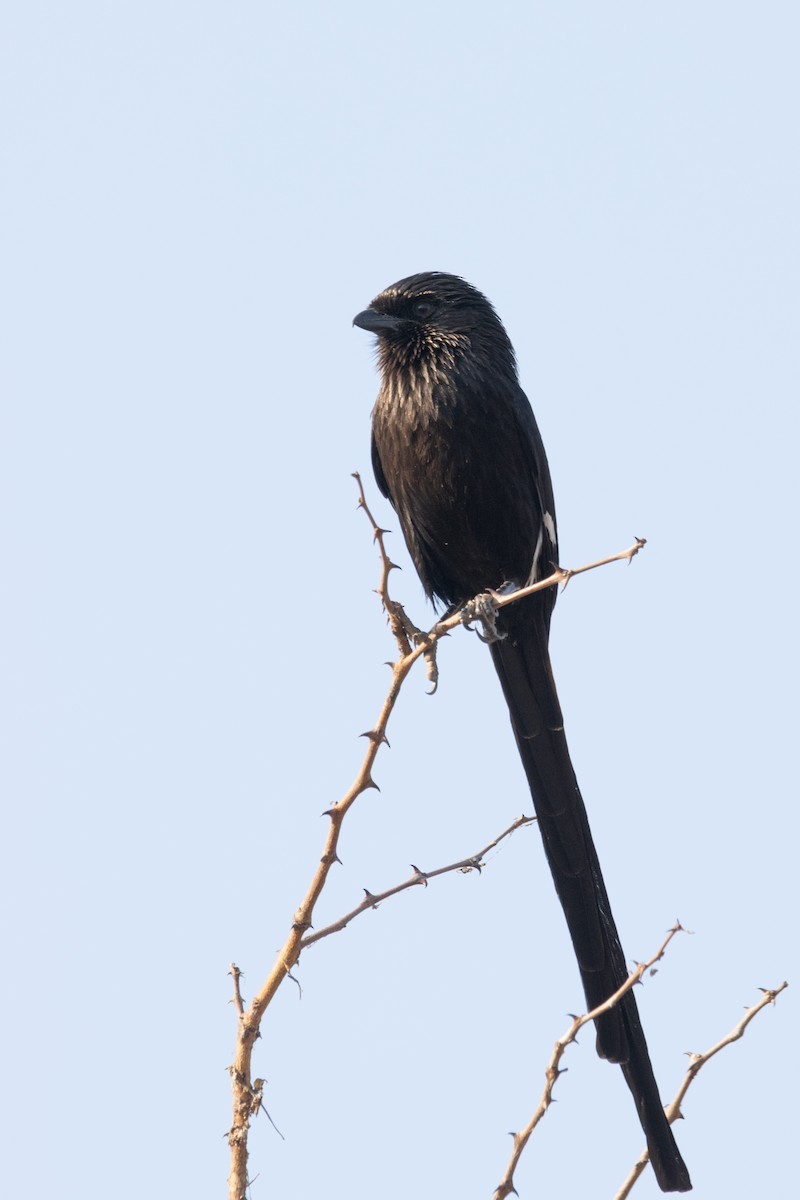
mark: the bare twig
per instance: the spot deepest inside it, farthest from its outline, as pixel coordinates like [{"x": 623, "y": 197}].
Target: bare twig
[
  {"x": 563, "y": 575},
  {"x": 553, "y": 1071},
  {"x": 257, "y": 1104},
  {"x": 673, "y": 1109},
  {"x": 237, "y": 995},
  {"x": 403, "y": 630},
  {"x": 473, "y": 863},
  {"x": 250, "y": 1019}
]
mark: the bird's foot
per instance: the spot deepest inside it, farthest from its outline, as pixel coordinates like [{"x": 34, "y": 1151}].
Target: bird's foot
[{"x": 482, "y": 611}]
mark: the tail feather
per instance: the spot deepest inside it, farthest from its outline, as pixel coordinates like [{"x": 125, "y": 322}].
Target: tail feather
[{"x": 523, "y": 665}]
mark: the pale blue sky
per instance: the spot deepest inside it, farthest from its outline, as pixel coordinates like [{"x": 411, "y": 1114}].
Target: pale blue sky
[{"x": 196, "y": 200}]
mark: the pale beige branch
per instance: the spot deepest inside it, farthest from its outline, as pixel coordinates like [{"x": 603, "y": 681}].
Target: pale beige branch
[
  {"x": 237, "y": 994},
  {"x": 553, "y": 1071},
  {"x": 404, "y": 631},
  {"x": 563, "y": 575},
  {"x": 373, "y": 899},
  {"x": 250, "y": 1018},
  {"x": 673, "y": 1109}
]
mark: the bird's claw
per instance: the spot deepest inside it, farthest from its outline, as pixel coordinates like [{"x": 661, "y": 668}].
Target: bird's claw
[{"x": 482, "y": 610}]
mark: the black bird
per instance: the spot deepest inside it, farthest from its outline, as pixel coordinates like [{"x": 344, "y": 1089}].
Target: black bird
[{"x": 457, "y": 451}]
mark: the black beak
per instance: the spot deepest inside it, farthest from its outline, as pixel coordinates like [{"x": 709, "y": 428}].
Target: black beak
[{"x": 376, "y": 322}]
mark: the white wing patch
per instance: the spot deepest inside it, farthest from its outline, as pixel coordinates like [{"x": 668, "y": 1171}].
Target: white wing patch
[
  {"x": 548, "y": 526},
  {"x": 535, "y": 564}
]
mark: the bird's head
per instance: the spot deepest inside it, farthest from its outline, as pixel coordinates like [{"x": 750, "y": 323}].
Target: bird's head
[{"x": 434, "y": 316}]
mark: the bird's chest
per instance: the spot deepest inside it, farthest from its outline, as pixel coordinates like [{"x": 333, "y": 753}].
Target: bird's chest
[
  {"x": 431, "y": 445},
  {"x": 456, "y": 475}
]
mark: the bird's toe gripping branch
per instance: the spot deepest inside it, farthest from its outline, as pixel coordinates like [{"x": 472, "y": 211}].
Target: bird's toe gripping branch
[{"x": 482, "y": 611}]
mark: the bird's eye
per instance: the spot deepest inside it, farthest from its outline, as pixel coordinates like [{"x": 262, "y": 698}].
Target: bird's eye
[{"x": 423, "y": 308}]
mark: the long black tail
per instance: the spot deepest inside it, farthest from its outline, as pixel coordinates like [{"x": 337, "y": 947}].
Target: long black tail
[{"x": 523, "y": 665}]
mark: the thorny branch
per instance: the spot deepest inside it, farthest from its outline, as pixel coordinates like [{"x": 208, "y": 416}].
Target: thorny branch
[
  {"x": 673, "y": 1110},
  {"x": 552, "y": 1072},
  {"x": 372, "y": 900},
  {"x": 412, "y": 644}
]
